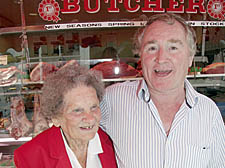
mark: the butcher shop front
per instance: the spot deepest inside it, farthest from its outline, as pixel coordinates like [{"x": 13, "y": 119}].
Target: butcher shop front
[{"x": 39, "y": 37}]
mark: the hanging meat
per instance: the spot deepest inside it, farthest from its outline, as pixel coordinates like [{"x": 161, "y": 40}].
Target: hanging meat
[
  {"x": 215, "y": 68},
  {"x": 71, "y": 62},
  {"x": 139, "y": 67},
  {"x": 39, "y": 121},
  {"x": 9, "y": 81},
  {"x": 20, "y": 125},
  {"x": 43, "y": 69},
  {"x": 93, "y": 41},
  {"x": 8, "y": 75},
  {"x": 115, "y": 69}
]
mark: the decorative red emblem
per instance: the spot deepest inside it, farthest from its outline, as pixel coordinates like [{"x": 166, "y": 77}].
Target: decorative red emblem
[
  {"x": 216, "y": 9},
  {"x": 49, "y": 10}
]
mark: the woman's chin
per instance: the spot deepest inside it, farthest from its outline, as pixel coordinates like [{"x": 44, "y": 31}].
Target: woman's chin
[
  {"x": 88, "y": 137},
  {"x": 88, "y": 134}
]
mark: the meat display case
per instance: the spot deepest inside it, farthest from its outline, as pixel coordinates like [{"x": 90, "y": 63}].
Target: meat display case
[{"x": 28, "y": 43}]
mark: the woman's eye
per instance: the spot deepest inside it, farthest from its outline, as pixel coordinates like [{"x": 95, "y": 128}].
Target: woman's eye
[{"x": 77, "y": 110}]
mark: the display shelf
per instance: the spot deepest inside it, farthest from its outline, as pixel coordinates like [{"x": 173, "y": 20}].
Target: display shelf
[
  {"x": 77, "y": 58},
  {"x": 122, "y": 79},
  {"x": 200, "y": 59},
  {"x": 18, "y": 30},
  {"x": 205, "y": 75},
  {"x": 207, "y": 83},
  {"x": 7, "y": 140},
  {"x": 20, "y": 93},
  {"x": 200, "y": 82}
]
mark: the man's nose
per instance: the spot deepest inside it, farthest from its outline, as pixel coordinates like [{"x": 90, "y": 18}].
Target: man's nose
[{"x": 161, "y": 56}]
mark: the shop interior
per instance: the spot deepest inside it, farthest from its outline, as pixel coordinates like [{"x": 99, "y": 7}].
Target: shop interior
[{"x": 25, "y": 44}]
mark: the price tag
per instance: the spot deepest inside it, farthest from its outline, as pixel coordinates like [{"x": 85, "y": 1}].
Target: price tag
[{"x": 3, "y": 59}]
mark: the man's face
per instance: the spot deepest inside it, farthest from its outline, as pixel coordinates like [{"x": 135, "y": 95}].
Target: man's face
[{"x": 165, "y": 56}]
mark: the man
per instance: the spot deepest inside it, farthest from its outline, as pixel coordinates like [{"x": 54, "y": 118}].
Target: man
[{"x": 161, "y": 121}]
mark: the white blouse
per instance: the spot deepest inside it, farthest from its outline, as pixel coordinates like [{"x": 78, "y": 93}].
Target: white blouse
[{"x": 94, "y": 148}]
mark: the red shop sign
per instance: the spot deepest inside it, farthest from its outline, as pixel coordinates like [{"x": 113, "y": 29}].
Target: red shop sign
[{"x": 49, "y": 10}]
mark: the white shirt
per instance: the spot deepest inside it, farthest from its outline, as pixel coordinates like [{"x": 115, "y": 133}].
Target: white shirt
[
  {"x": 94, "y": 148},
  {"x": 196, "y": 138}
]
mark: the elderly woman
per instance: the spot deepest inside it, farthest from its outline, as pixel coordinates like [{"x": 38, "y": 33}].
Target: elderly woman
[{"x": 70, "y": 98}]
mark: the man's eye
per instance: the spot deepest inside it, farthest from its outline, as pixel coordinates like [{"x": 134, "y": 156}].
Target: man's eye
[
  {"x": 95, "y": 107},
  {"x": 173, "y": 48},
  {"x": 151, "y": 48}
]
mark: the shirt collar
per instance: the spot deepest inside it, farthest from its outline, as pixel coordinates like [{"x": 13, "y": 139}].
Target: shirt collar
[
  {"x": 191, "y": 94},
  {"x": 142, "y": 91},
  {"x": 94, "y": 146}
]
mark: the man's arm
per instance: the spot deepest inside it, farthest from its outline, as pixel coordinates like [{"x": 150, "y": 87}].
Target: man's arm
[
  {"x": 105, "y": 114},
  {"x": 218, "y": 147}
]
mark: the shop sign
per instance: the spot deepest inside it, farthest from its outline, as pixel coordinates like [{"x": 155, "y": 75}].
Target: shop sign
[
  {"x": 207, "y": 23},
  {"x": 216, "y": 9},
  {"x": 87, "y": 25},
  {"x": 49, "y": 10},
  {"x": 95, "y": 25}
]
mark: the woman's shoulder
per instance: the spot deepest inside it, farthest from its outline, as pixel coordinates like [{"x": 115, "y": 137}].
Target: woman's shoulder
[
  {"x": 102, "y": 134},
  {"x": 105, "y": 139},
  {"x": 42, "y": 139},
  {"x": 108, "y": 156}
]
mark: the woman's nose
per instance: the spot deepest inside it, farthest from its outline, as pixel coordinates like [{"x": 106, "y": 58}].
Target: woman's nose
[{"x": 88, "y": 116}]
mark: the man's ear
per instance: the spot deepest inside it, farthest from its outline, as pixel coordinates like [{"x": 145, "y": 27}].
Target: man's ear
[{"x": 191, "y": 58}]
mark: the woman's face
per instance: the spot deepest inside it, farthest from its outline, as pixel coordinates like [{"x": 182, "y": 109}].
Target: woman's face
[{"x": 81, "y": 114}]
